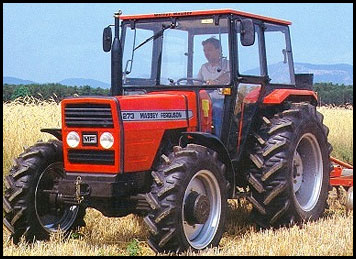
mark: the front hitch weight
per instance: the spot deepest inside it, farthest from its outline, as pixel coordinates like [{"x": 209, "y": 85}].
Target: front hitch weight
[
  {"x": 81, "y": 190},
  {"x": 79, "y": 198}
]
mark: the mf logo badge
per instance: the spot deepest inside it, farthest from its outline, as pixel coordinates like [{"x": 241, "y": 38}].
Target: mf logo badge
[{"x": 90, "y": 139}]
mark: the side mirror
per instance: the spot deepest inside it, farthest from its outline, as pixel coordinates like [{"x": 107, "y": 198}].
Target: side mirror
[
  {"x": 247, "y": 32},
  {"x": 107, "y": 39}
]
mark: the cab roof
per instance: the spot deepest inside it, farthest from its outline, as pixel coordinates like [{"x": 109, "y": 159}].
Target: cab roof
[{"x": 206, "y": 12}]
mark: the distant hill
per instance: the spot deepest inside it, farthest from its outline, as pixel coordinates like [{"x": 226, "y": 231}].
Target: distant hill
[
  {"x": 68, "y": 82},
  {"x": 336, "y": 74},
  {"x": 83, "y": 82},
  {"x": 16, "y": 81}
]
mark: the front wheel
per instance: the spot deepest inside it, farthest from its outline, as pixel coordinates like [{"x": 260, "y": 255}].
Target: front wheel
[
  {"x": 31, "y": 202},
  {"x": 188, "y": 201}
]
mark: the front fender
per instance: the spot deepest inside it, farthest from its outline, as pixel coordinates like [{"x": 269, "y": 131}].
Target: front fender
[
  {"x": 55, "y": 132},
  {"x": 211, "y": 141}
]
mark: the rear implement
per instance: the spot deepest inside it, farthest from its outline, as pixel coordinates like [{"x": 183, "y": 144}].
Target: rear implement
[{"x": 342, "y": 176}]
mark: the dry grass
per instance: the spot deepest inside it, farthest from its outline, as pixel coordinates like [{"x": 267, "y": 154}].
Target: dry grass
[
  {"x": 331, "y": 235},
  {"x": 340, "y": 123},
  {"x": 22, "y": 121}
]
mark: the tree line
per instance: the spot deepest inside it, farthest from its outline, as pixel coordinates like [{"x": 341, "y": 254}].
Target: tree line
[
  {"x": 328, "y": 93},
  {"x": 53, "y": 91},
  {"x": 331, "y": 94}
]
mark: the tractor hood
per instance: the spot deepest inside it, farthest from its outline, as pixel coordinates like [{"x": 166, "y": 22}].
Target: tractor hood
[
  {"x": 145, "y": 120},
  {"x": 176, "y": 107},
  {"x": 136, "y": 123}
]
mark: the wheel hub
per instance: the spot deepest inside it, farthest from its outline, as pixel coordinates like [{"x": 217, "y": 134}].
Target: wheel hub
[
  {"x": 197, "y": 208},
  {"x": 297, "y": 171}
]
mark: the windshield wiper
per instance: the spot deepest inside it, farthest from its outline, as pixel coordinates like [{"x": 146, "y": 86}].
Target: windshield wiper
[
  {"x": 153, "y": 37},
  {"x": 157, "y": 34}
]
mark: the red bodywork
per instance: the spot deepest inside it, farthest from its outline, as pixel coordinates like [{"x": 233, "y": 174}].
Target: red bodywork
[
  {"x": 115, "y": 131},
  {"x": 144, "y": 119},
  {"x": 342, "y": 174},
  {"x": 141, "y": 136},
  {"x": 279, "y": 95}
]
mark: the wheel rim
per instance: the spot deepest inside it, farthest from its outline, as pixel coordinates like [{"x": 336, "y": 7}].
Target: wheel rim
[
  {"x": 307, "y": 172},
  {"x": 52, "y": 215},
  {"x": 349, "y": 198},
  {"x": 205, "y": 184}
]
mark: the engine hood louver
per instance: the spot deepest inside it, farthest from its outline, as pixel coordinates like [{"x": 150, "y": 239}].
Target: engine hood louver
[{"x": 88, "y": 115}]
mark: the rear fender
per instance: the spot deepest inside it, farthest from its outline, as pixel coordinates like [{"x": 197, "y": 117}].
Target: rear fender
[
  {"x": 278, "y": 96},
  {"x": 211, "y": 141}
]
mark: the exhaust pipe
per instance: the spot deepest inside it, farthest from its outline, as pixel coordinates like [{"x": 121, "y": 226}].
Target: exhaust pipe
[{"x": 116, "y": 59}]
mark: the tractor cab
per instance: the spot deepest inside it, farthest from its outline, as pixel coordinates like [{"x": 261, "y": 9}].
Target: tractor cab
[
  {"x": 169, "y": 49},
  {"x": 224, "y": 53}
]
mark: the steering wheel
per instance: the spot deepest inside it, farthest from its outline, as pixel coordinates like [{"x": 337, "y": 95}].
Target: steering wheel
[{"x": 190, "y": 79}]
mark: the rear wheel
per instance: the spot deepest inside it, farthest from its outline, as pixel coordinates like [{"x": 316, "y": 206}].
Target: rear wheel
[
  {"x": 31, "y": 202},
  {"x": 188, "y": 201},
  {"x": 290, "y": 167}
]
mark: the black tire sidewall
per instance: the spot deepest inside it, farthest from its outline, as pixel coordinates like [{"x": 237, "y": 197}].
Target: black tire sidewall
[
  {"x": 166, "y": 198},
  {"x": 33, "y": 213},
  {"x": 24, "y": 178}
]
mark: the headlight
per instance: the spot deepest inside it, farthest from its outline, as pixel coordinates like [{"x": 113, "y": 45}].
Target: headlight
[
  {"x": 73, "y": 139},
  {"x": 106, "y": 140}
]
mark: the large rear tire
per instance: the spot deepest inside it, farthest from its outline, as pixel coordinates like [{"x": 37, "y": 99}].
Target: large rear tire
[
  {"x": 290, "y": 167},
  {"x": 30, "y": 204},
  {"x": 188, "y": 201}
]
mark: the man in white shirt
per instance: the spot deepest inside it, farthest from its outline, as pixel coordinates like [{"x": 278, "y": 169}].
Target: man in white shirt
[{"x": 216, "y": 71}]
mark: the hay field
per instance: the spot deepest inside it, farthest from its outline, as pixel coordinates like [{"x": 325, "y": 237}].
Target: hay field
[
  {"x": 340, "y": 123},
  {"x": 331, "y": 235}
]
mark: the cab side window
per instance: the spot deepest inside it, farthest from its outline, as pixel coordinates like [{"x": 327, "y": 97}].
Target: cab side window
[
  {"x": 249, "y": 57},
  {"x": 278, "y": 54}
]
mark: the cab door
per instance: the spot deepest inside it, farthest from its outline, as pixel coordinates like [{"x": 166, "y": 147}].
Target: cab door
[
  {"x": 250, "y": 81},
  {"x": 265, "y": 65}
]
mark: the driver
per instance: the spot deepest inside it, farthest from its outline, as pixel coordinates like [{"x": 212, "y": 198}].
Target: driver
[{"x": 216, "y": 71}]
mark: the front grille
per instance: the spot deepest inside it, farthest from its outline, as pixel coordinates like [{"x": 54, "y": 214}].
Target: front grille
[
  {"x": 89, "y": 115},
  {"x": 97, "y": 157}
]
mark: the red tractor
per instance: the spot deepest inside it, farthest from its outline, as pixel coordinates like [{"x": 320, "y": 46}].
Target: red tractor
[{"x": 198, "y": 115}]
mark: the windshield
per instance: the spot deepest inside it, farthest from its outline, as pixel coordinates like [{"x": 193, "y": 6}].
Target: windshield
[{"x": 187, "y": 51}]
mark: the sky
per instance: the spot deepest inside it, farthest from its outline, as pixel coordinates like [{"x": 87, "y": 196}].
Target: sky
[{"x": 48, "y": 42}]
